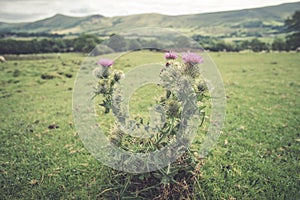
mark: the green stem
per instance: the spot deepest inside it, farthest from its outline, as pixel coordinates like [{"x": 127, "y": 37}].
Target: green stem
[{"x": 166, "y": 133}]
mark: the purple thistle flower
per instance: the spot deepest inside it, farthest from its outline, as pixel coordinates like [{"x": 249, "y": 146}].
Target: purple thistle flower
[
  {"x": 171, "y": 55},
  {"x": 192, "y": 58},
  {"x": 105, "y": 62}
]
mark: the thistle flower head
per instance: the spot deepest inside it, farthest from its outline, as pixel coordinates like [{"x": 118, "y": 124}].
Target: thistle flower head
[
  {"x": 201, "y": 86},
  {"x": 192, "y": 58},
  {"x": 106, "y": 62},
  {"x": 102, "y": 87},
  {"x": 117, "y": 75},
  {"x": 173, "y": 108},
  {"x": 101, "y": 72},
  {"x": 171, "y": 55}
]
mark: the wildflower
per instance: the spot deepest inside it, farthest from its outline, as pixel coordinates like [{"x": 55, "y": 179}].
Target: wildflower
[
  {"x": 171, "y": 55},
  {"x": 192, "y": 58},
  {"x": 103, "y": 72},
  {"x": 106, "y": 62}
]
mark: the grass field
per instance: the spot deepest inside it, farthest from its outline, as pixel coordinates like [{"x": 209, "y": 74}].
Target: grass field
[{"x": 257, "y": 155}]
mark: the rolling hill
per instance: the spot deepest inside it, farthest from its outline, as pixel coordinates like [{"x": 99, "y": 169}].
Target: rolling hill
[{"x": 265, "y": 21}]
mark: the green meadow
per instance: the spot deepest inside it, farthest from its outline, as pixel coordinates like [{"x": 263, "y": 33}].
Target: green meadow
[{"x": 256, "y": 157}]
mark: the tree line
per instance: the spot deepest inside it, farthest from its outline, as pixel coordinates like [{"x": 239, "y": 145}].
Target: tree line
[
  {"x": 5, "y": 34},
  {"x": 255, "y": 45},
  {"x": 83, "y": 43},
  {"x": 86, "y": 43}
]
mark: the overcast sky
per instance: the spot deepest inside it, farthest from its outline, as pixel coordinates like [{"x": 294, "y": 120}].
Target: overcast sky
[{"x": 30, "y": 10}]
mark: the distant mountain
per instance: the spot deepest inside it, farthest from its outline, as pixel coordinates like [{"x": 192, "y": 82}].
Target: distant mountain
[
  {"x": 264, "y": 21},
  {"x": 53, "y": 24},
  {"x": 57, "y": 22}
]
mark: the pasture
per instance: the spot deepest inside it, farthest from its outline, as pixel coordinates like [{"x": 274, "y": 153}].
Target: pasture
[{"x": 257, "y": 155}]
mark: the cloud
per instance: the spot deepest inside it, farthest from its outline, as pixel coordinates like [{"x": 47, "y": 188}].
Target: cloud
[
  {"x": 16, "y": 17},
  {"x": 83, "y": 10},
  {"x": 25, "y": 10}
]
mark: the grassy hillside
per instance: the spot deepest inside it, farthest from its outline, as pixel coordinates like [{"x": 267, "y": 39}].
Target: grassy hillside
[{"x": 265, "y": 20}]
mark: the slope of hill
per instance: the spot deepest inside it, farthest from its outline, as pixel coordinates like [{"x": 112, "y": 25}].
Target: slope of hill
[
  {"x": 56, "y": 23},
  {"x": 265, "y": 21}
]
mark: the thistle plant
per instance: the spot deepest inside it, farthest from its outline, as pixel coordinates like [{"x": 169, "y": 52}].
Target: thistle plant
[
  {"x": 107, "y": 78},
  {"x": 174, "y": 77},
  {"x": 180, "y": 81}
]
